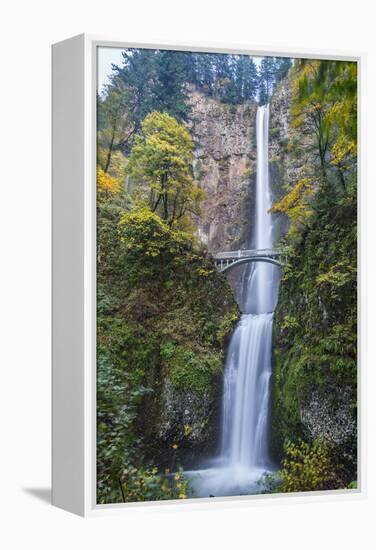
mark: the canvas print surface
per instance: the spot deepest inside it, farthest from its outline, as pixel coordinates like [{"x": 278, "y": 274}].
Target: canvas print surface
[{"x": 226, "y": 275}]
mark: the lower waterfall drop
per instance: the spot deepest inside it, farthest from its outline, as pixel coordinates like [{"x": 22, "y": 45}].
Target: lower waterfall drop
[{"x": 246, "y": 394}]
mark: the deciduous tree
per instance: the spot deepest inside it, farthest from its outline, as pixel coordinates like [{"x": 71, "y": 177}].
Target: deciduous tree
[{"x": 160, "y": 161}]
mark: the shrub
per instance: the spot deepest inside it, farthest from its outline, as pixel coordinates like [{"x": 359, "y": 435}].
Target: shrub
[
  {"x": 274, "y": 132},
  {"x": 308, "y": 467}
]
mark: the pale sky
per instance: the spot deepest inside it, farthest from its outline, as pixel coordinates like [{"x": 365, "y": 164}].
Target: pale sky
[{"x": 107, "y": 57}]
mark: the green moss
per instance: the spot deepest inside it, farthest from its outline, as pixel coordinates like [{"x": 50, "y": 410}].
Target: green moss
[{"x": 193, "y": 370}]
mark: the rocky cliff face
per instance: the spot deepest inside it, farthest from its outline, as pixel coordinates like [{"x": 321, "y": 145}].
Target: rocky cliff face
[
  {"x": 225, "y": 164},
  {"x": 328, "y": 415},
  {"x": 289, "y": 151},
  {"x": 291, "y": 154},
  {"x": 191, "y": 421}
]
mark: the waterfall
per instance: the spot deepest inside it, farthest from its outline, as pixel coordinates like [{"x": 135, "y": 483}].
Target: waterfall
[
  {"x": 248, "y": 365},
  {"x": 246, "y": 393},
  {"x": 245, "y": 405}
]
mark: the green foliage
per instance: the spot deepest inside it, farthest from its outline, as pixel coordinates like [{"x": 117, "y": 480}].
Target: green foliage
[
  {"x": 246, "y": 79},
  {"x": 144, "y": 232},
  {"x": 316, "y": 319},
  {"x": 163, "y": 310},
  {"x": 231, "y": 78},
  {"x": 226, "y": 326},
  {"x": 117, "y": 396},
  {"x": 171, "y": 71},
  {"x": 282, "y": 65},
  {"x": 325, "y": 92},
  {"x": 274, "y": 132},
  {"x": 289, "y": 322},
  {"x": 155, "y": 80},
  {"x": 146, "y": 484},
  {"x": 267, "y": 78},
  {"x": 191, "y": 369},
  {"x": 296, "y": 204},
  {"x": 113, "y": 121},
  {"x": 339, "y": 275}
]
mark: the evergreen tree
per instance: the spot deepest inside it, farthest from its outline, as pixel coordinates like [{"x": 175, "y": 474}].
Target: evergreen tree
[
  {"x": 225, "y": 80},
  {"x": 282, "y": 66},
  {"x": 204, "y": 72},
  {"x": 272, "y": 70},
  {"x": 246, "y": 78},
  {"x": 263, "y": 95},
  {"x": 267, "y": 76},
  {"x": 138, "y": 76},
  {"x": 168, "y": 90},
  {"x": 223, "y": 66},
  {"x": 112, "y": 121}
]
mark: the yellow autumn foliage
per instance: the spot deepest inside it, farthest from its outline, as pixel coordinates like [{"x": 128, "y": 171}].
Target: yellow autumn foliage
[
  {"x": 293, "y": 197},
  {"x": 342, "y": 150},
  {"x": 296, "y": 205},
  {"x": 107, "y": 184},
  {"x": 303, "y": 104},
  {"x": 325, "y": 93}
]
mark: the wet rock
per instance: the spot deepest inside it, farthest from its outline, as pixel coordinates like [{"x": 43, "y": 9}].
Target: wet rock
[
  {"x": 188, "y": 418},
  {"x": 329, "y": 415}
]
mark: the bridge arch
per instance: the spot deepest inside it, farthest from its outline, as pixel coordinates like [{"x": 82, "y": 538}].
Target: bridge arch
[{"x": 225, "y": 261}]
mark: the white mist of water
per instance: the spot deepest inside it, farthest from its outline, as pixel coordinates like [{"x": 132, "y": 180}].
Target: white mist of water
[{"x": 246, "y": 395}]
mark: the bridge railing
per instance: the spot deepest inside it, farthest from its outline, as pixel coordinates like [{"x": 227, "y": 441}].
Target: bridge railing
[{"x": 234, "y": 254}]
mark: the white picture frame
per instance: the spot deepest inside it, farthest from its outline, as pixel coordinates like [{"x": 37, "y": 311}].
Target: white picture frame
[{"x": 74, "y": 274}]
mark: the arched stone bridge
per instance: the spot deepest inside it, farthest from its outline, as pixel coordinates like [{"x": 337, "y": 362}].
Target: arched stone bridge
[{"x": 227, "y": 260}]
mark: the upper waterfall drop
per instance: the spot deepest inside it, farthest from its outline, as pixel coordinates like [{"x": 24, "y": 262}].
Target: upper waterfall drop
[{"x": 260, "y": 284}]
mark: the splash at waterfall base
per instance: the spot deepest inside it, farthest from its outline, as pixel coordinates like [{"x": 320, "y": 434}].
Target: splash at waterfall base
[{"x": 220, "y": 481}]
